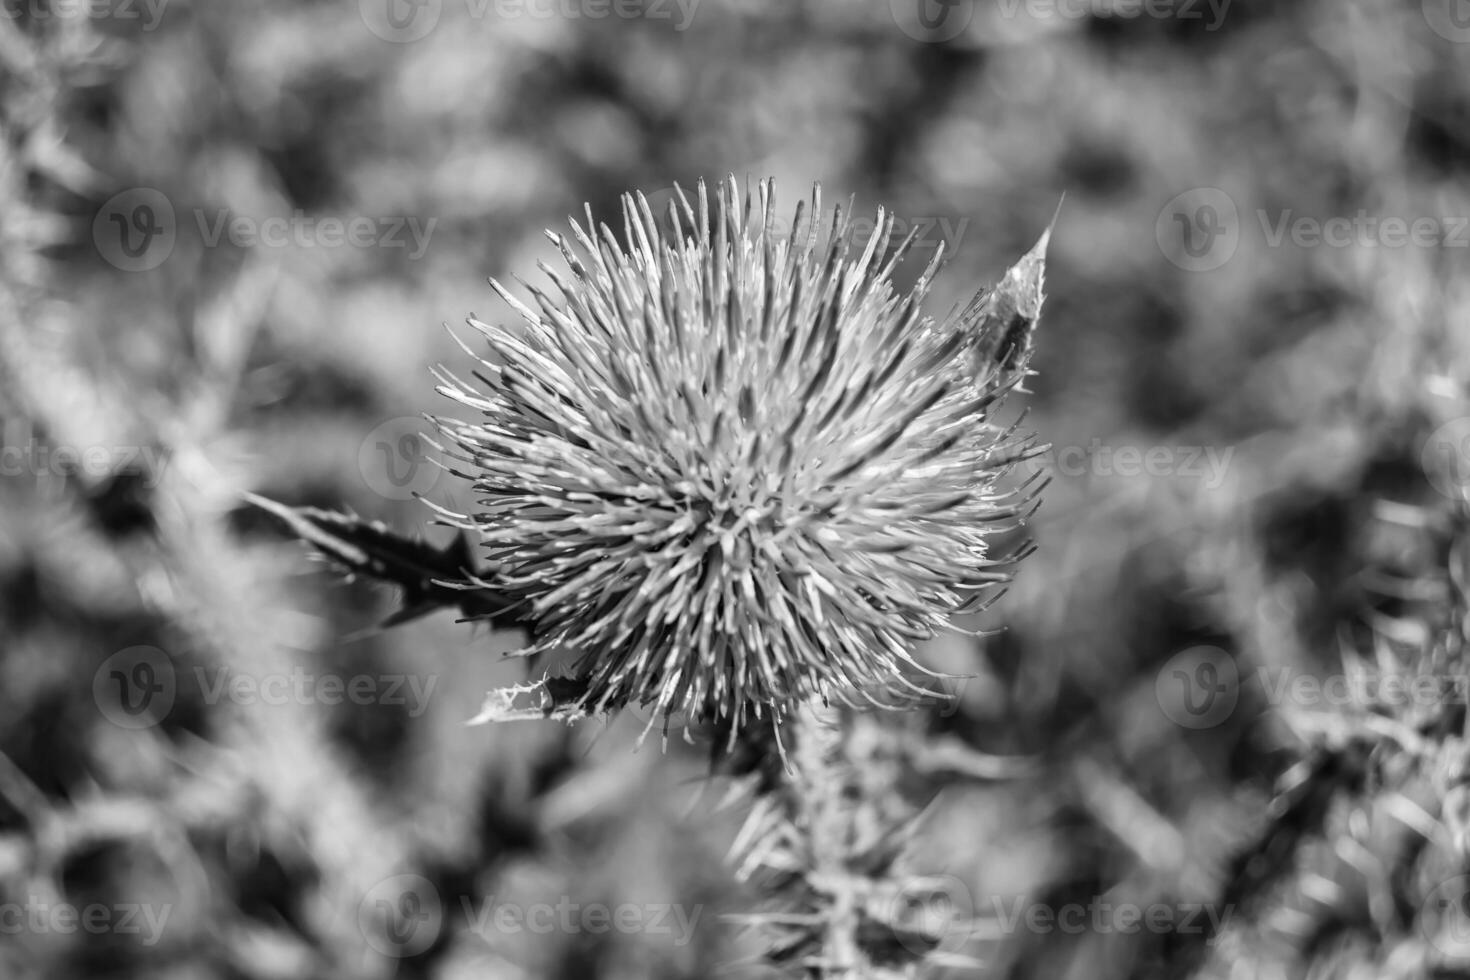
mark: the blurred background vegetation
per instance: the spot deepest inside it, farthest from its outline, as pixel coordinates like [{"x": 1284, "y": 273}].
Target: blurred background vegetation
[{"x": 1300, "y": 517}]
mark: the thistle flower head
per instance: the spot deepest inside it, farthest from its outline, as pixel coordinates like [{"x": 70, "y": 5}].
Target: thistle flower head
[{"x": 733, "y": 466}]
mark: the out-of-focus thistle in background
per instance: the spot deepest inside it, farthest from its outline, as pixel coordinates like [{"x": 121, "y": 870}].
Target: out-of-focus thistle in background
[{"x": 1216, "y": 727}]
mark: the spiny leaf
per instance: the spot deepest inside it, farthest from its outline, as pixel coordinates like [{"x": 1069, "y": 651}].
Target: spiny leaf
[{"x": 430, "y": 578}]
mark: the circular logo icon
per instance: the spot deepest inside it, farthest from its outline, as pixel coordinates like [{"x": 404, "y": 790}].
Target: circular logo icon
[
  {"x": 135, "y": 688},
  {"x": 135, "y": 230},
  {"x": 933, "y": 21},
  {"x": 1198, "y": 688},
  {"x": 1444, "y": 917},
  {"x": 401, "y": 916},
  {"x": 1450, "y": 19},
  {"x": 933, "y": 913},
  {"x": 1198, "y": 230},
  {"x": 401, "y": 21},
  {"x": 1446, "y": 458},
  {"x": 394, "y": 460}
]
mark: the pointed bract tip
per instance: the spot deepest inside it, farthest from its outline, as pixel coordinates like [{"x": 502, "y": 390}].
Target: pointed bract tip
[{"x": 1038, "y": 251}]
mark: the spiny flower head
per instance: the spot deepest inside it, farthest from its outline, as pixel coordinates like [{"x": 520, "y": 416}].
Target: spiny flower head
[{"x": 734, "y": 467}]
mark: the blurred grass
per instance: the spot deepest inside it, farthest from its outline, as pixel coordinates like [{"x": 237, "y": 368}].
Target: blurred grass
[{"x": 255, "y": 368}]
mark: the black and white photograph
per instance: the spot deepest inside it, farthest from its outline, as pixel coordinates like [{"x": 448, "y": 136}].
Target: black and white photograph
[{"x": 734, "y": 489}]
